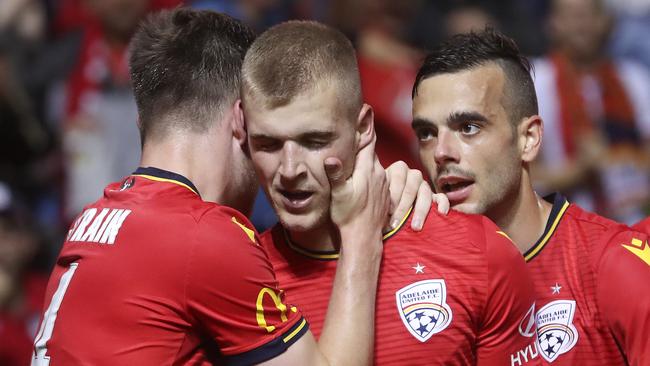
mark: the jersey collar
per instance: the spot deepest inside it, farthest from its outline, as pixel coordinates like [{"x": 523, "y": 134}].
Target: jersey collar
[
  {"x": 560, "y": 205},
  {"x": 161, "y": 175},
  {"x": 334, "y": 254}
]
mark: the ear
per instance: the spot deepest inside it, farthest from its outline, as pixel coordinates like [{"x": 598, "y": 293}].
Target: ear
[
  {"x": 238, "y": 123},
  {"x": 530, "y": 133},
  {"x": 365, "y": 126}
]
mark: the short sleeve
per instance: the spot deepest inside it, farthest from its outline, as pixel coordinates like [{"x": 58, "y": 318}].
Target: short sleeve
[
  {"x": 623, "y": 292},
  {"x": 508, "y": 325},
  {"x": 232, "y": 292}
]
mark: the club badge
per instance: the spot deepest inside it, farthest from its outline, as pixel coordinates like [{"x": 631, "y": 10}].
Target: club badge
[
  {"x": 423, "y": 308},
  {"x": 556, "y": 334}
]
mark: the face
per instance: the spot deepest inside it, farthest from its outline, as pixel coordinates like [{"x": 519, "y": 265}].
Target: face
[
  {"x": 466, "y": 142},
  {"x": 579, "y": 26},
  {"x": 288, "y": 146}
]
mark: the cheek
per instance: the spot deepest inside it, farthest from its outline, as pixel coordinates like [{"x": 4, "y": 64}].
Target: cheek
[
  {"x": 428, "y": 162},
  {"x": 316, "y": 168},
  {"x": 265, "y": 167}
]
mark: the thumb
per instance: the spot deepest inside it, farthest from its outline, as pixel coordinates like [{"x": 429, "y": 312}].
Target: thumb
[{"x": 334, "y": 171}]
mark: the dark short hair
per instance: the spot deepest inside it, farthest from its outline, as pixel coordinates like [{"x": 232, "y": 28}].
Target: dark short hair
[
  {"x": 185, "y": 67},
  {"x": 293, "y": 57},
  {"x": 467, "y": 51}
]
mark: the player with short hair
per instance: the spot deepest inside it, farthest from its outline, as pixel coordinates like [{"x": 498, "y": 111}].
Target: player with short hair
[
  {"x": 160, "y": 271},
  {"x": 475, "y": 117},
  {"x": 454, "y": 294}
]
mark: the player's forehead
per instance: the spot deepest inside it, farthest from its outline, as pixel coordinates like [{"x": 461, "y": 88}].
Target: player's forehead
[
  {"x": 475, "y": 90},
  {"x": 312, "y": 111}
]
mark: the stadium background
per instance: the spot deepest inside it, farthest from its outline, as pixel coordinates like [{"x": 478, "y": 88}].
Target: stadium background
[{"x": 68, "y": 118}]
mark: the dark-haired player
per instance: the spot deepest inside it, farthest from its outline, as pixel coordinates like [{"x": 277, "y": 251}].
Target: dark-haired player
[
  {"x": 157, "y": 273},
  {"x": 456, "y": 293},
  {"x": 475, "y": 117}
]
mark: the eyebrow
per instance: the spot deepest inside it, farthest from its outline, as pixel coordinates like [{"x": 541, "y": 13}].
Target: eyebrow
[
  {"x": 452, "y": 119},
  {"x": 325, "y": 135},
  {"x": 461, "y": 117},
  {"x": 420, "y": 122}
]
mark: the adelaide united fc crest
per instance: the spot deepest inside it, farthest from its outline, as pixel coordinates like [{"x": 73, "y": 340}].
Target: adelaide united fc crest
[
  {"x": 556, "y": 333},
  {"x": 423, "y": 308}
]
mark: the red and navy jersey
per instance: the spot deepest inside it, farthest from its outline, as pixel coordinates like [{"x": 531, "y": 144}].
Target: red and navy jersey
[
  {"x": 151, "y": 274},
  {"x": 592, "y": 278},
  {"x": 457, "y": 293}
]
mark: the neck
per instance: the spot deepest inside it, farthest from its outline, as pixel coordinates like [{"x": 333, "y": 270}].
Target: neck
[
  {"x": 192, "y": 155},
  {"x": 324, "y": 238},
  {"x": 524, "y": 217}
]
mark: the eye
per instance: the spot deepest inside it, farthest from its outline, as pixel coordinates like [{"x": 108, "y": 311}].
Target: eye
[
  {"x": 470, "y": 129},
  {"x": 425, "y": 134},
  {"x": 266, "y": 145},
  {"x": 315, "y": 144}
]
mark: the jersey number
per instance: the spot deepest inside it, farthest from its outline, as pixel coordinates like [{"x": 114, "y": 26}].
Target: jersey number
[{"x": 39, "y": 358}]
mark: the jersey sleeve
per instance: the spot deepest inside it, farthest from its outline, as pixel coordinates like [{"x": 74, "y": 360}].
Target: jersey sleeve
[
  {"x": 506, "y": 336},
  {"x": 232, "y": 293},
  {"x": 643, "y": 226},
  {"x": 623, "y": 292}
]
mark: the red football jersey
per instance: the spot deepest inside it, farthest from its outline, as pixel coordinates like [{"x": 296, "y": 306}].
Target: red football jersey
[
  {"x": 457, "y": 293},
  {"x": 152, "y": 275},
  {"x": 592, "y": 279}
]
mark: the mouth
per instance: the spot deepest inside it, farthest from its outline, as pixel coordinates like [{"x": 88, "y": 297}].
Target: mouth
[
  {"x": 456, "y": 189},
  {"x": 295, "y": 200}
]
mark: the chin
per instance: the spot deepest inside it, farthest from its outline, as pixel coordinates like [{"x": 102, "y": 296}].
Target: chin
[
  {"x": 469, "y": 208},
  {"x": 300, "y": 223}
]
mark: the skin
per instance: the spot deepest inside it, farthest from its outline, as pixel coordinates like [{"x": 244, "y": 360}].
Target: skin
[
  {"x": 466, "y": 139},
  {"x": 578, "y": 28},
  {"x": 288, "y": 147}
]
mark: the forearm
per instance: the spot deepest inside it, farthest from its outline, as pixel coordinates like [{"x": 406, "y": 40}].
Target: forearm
[{"x": 348, "y": 332}]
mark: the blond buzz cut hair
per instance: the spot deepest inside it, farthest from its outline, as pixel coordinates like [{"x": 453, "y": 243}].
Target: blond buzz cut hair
[{"x": 296, "y": 57}]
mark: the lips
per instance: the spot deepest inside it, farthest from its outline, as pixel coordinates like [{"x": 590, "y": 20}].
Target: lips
[
  {"x": 456, "y": 188},
  {"x": 295, "y": 200}
]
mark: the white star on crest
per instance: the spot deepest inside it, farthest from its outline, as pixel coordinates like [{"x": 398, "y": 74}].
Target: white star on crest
[
  {"x": 556, "y": 288},
  {"x": 419, "y": 268}
]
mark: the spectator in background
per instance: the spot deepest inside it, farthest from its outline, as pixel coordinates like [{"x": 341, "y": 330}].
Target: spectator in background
[
  {"x": 596, "y": 114},
  {"x": 99, "y": 132},
  {"x": 27, "y": 147},
  {"x": 21, "y": 287},
  {"x": 387, "y": 65},
  {"x": 629, "y": 37}
]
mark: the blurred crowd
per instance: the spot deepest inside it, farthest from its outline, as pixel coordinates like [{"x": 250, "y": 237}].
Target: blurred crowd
[{"x": 68, "y": 117}]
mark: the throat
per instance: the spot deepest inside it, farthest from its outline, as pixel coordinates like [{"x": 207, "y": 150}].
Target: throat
[{"x": 324, "y": 239}]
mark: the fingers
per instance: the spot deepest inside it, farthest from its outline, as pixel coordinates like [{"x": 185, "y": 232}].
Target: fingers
[
  {"x": 334, "y": 171},
  {"x": 442, "y": 201},
  {"x": 422, "y": 206},
  {"x": 396, "y": 177},
  {"x": 410, "y": 192}
]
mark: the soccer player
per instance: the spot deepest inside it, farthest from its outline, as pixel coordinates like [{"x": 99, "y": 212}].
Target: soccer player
[
  {"x": 475, "y": 117},
  {"x": 456, "y": 293},
  {"x": 159, "y": 271}
]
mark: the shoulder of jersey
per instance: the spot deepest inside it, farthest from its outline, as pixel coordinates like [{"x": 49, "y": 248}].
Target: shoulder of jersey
[
  {"x": 225, "y": 219},
  {"x": 590, "y": 219},
  {"x": 455, "y": 224}
]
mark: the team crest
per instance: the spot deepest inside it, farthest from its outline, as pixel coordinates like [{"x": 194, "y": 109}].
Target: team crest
[
  {"x": 423, "y": 308},
  {"x": 556, "y": 334}
]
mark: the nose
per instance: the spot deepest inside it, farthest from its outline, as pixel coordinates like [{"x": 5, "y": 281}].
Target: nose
[
  {"x": 292, "y": 165},
  {"x": 446, "y": 150}
]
